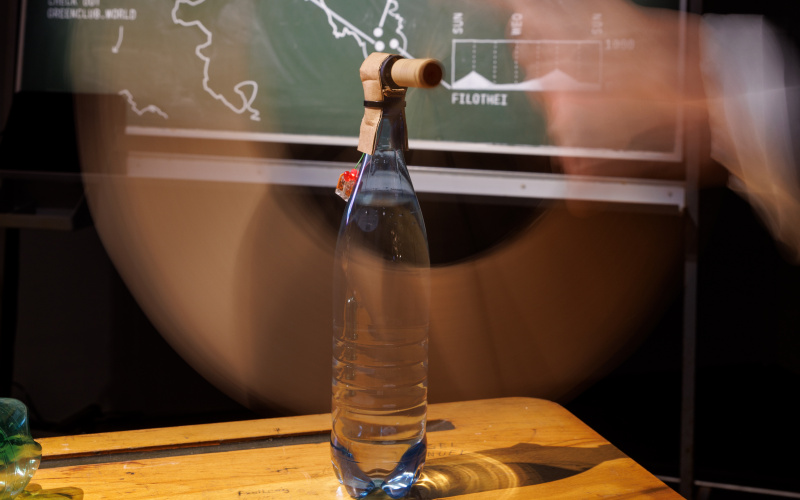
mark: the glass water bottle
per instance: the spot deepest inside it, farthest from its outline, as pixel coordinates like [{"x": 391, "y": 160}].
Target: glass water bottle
[{"x": 380, "y": 339}]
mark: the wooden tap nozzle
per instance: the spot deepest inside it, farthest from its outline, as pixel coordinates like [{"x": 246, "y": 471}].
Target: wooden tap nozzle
[{"x": 424, "y": 73}]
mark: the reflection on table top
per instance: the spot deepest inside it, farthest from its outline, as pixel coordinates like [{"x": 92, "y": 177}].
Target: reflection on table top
[{"x": 503, "y": 448}]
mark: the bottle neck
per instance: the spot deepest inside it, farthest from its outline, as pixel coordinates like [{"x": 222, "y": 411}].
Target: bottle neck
[{"x": 392, "y": 129}]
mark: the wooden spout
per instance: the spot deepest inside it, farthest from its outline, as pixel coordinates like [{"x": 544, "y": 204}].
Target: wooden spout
[
  {"x": 385, "y": 75},
  {"x": 423, "y": 73}
]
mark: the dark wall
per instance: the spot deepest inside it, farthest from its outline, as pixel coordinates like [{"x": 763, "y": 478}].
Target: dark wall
[
  {"x": 748, "y": 364},
  {"x": 87, "y": 359}
]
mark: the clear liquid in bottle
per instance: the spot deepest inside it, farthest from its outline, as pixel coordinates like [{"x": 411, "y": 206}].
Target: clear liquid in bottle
[{"x": 380, "y": 339}]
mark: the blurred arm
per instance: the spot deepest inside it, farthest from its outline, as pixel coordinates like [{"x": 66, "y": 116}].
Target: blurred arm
[{"x": 744, "y": 65}]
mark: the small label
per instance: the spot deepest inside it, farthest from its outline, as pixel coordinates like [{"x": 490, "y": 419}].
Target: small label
[
  {"x": 597, "y": 24},
  {"x": 458, "y": 23},
  {"x": 516, "y": 24},
  {"x": 479, "y": 99},
  {"x": 347, "y": 181}
]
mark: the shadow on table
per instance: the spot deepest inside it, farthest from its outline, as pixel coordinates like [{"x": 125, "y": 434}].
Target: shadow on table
[
  {"x": 523, "y": 464},
  {"x": 36, "y": 492}
]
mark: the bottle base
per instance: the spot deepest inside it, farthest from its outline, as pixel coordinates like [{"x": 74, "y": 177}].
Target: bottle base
[{"x": 395, "y": 483}]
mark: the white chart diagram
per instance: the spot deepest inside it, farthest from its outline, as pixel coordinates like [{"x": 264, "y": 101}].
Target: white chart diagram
[
  {"x": 526, "y": 65},
  {"x": 370, "y": 40}
]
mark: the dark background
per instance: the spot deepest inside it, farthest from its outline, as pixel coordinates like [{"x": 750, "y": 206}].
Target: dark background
[{"x": 79, "y": 327}]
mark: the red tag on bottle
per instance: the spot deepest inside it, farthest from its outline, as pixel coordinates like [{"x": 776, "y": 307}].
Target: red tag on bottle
[{"x": 347, "y": 182}]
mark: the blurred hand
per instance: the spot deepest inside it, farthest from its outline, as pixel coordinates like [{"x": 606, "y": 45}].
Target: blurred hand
[{"x": 642, "y": 94}]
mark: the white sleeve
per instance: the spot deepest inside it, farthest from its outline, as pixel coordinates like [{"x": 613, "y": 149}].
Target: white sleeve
[{"x": 744, "y": 67}]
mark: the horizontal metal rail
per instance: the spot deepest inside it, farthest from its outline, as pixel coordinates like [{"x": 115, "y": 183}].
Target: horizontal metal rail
[{"x": 545, "y": 186}]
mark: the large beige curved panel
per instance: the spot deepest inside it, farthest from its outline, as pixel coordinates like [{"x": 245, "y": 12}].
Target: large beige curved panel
[
  {"x": 547, "y": 312},
  {"x": 239, "y": 287},
  {"x": 237, "y": 277}
]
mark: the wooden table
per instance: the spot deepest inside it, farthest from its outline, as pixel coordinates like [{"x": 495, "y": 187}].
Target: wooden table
[{"x": 513, "y": 448}]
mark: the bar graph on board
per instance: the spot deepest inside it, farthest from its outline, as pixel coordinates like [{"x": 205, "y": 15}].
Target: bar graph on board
[{"x": 526, "y": 65}]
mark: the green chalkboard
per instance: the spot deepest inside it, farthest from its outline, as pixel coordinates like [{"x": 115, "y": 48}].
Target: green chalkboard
[{"x": 287, "y": 70}]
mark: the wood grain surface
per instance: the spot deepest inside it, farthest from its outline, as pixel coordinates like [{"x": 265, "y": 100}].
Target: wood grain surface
[{"x": 512, "y": 448}]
